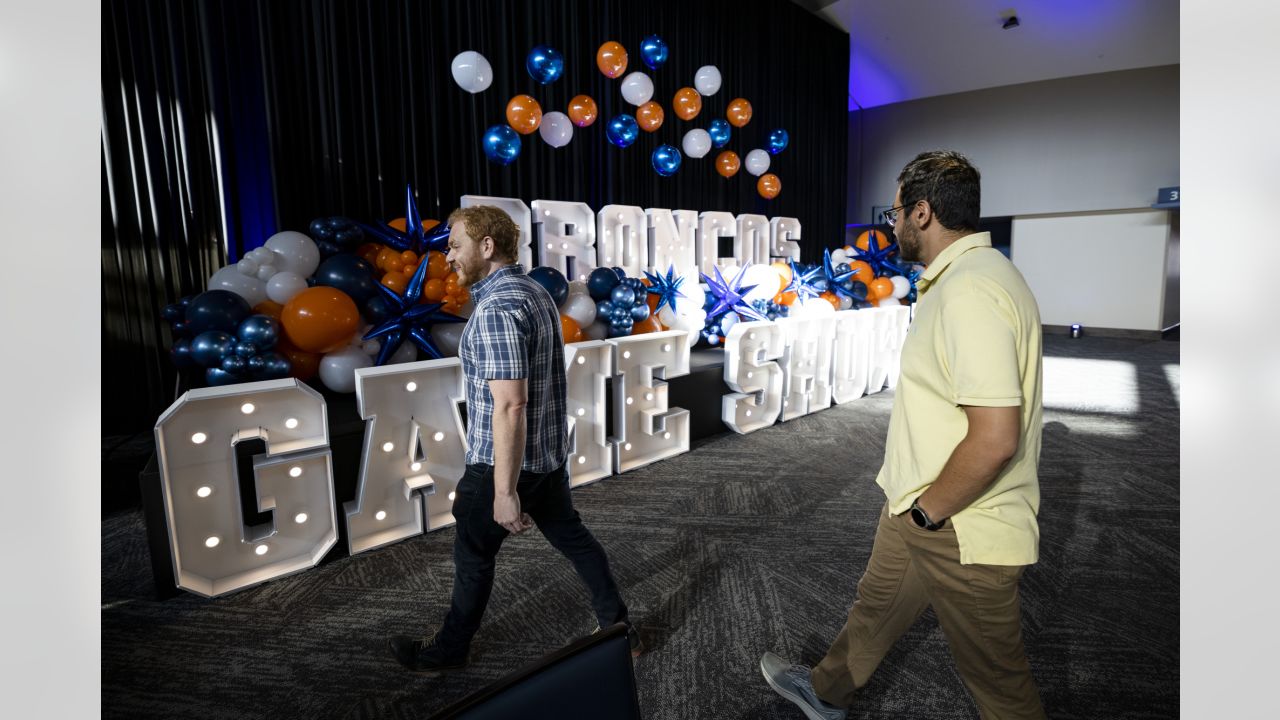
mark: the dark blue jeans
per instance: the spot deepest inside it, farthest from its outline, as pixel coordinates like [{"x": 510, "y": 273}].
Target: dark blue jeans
[{"x": 545, "y": 497}]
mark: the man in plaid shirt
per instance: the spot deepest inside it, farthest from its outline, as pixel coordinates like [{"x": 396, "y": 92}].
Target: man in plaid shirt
[{"x": 517, "y": 445}]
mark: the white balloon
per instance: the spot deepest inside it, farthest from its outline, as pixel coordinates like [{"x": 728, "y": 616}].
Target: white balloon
[
  {"x": 294, "y": 252},
  {"x": 284, "y": 285},
  {"x": 692, "y": 298},
  {"x": 765, "y": 279},
  {"x": 248, "y": 266},
  {"x": 846, "y": 302},
  {"x": 888, "y": 302},
  {"x": 667, "y": 316},
  {"x": 696, "y": 143},
  {"x": 578, "y": 287},
  {"x": 266, "y": 272},
  {"x": 407, "y": 352},
  {"x": 338, "y": 369},
  {"x": 839, "y": 256},
  {"x": 757, "y": 162},
  {"x": 472, "y": 71},
  {"x": 707, "y": 80},
  {"x": 637, "y": 88},
  {"x": 901, "y": 286},
  {"x": 229, "y": 278},
  {"x": 556, "y": 129},
  {"x": 260, "y": 255},
  {"x": 447, "y": 337},
  {"x": 370, "y": 347},
  {"x": 727, "y": 321},
  {"x": 581, "y": 308},
  {"x": 598, "y": 330}
]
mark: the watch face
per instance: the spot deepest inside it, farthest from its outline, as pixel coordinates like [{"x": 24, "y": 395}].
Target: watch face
[{"x": 917, "y": 517}]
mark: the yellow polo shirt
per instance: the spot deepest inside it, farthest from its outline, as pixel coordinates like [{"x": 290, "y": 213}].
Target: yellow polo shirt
[{"x": 975, "y": 340}]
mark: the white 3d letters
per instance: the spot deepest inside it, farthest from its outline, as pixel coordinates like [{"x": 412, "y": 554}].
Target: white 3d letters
[
  {"x": 750, "y": 349},
  {"x": 518, "y": 211},
  {"x": 752, "y": 244},
  {"x": 784, "y": 232},
  {"x": 850, "y": 367},
  {"x": 711, "y": 227},
  {"x": 669, "y": 247},
  {"x": 888, "y": 332},
  {"x": 568, "y": 237},
  {"x": 413, "y": 450},
  {"x": 587, "y": 366},
  {"x": 646, "y": 430},
  {"x": 622, "y": 238},
  {"x": 807, "y": 360},
  {"x": 214, "y": 551}
]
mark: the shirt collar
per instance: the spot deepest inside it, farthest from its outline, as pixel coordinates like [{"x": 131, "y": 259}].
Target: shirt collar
[
  {"x": 948, "y": 255},
  {"x": 479, "y": 290}
]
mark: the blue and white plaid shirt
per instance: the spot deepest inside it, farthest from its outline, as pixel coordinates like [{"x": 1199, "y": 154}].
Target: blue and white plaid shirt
[{"x": 513, "y": 334}]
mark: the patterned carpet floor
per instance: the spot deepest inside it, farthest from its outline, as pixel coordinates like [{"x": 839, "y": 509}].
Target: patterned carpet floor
[{"x": 744, "y": 544}]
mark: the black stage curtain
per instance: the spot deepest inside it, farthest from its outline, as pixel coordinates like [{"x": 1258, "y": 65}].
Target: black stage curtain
[{"x": 224, "y": 122}]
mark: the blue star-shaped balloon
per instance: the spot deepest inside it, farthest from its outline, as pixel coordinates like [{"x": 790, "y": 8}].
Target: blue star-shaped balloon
[
  {"x": 878, "y": 257},
  {"x": 666, "y": 288},
  {"x": 729, "y": 296},
  {"x": 413, "y": 238},
  {"x": 835, "y": 280},
  {"x": 409, "y": 320},
  {"x": 802, "y": 282}
]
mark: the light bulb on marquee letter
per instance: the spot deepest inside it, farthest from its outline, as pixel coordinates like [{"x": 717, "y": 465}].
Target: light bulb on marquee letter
[
  {"x": 807, "y": 363},
  {"x": 750, "y": 350},
  {"x": 518, "y": 211},
  {"x": 214, "y": 550},
  {"x": 752, "y": 244},
  {"x": 712, "y": 226},
  {"x": 852, "y": 357},
  {"x": 622, "y": 239},
  {"x": 646, "y": 429},
  {"x": 669, "y": 245},
  {"x": 424, "y": 430},
  {"x": 587, "y": 365},
  {"x": 568, "y": 237},
  {"x": 783, "y": 233}
]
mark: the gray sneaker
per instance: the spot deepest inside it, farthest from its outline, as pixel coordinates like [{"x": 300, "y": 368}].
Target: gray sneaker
[{"x": 792, "y": 682}]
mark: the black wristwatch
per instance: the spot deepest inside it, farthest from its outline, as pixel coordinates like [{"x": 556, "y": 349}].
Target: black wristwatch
[{"x": 921, "y": 518}]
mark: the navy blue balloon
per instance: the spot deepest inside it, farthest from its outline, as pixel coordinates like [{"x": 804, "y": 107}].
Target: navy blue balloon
[
  {"x": 640, "y": 311},
  {"x": 209, "y": 347},
  {"x": 622, "y": 274},
  {"x": 218, "y": 376},
  {"x": 604, "y": 309},
  {"x": 351, "y": 274},
  {"x": 216, "y": 310},
  {"x": 545, "y": 64},
  {"x": 601, "y": 282},
  {"x": 623, "y": 296},
  {"x": 274, "y": 366},
  {"x": 180, "y": 329},
  {"x": 320, "y": 229},
  {"x": 777, "y": 142},
  {"x": 720, "y": 131},
  {"x": 654, "y": 52},
  {"x": 378, "y": 309},
  {"x": 666, "y": 160},
  {"x": 858, "y": 288},
  {"x": 255, "y": 365},
  {"x": 348, "y": 236},
  {"x": 622, "y": 131},
  {"x": 173, "y": 312},
  {"x": 621, "y": 313},
  {"x": 553, "y": 280},
  {"x": 260, "y": 331},
  {"x": 502, "y": 144},
  {"x": 180, "y": 353},
  {"x": 245, "y": 350},
  {"x": 619, "y": 328},
  {"x": 819, "y": 284},
  {"x": 234, "y": 364}
]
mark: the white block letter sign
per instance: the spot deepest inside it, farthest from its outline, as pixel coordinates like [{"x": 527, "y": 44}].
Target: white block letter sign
[
  {"x": 646, "y": 429},
  {"x": 784, "y": 232},
  {"x": 807, "y": 362},
  {"x": 568, "y": 241},
  {"x": 622, "y": 239},
  {"x": 750, "y": 350},
  {"x": 588, "y": 364}
]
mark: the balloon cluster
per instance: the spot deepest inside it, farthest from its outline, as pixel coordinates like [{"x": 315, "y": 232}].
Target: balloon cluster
[
  {"x": 215, "y": 330},
  {"x": 333, "y": 235},
  {"x": 621, "y": 301}
]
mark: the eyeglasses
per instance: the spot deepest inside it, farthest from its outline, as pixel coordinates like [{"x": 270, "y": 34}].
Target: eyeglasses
[{"x": 890, "y": 216}]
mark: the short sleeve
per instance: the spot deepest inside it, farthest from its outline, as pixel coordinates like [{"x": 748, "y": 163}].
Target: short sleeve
[
  {"x": 981, "y": 352},
  {"x": 501, "y": 344}
]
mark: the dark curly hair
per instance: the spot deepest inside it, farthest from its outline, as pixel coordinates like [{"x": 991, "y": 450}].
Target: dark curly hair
[{"x": 949, "y": 183}]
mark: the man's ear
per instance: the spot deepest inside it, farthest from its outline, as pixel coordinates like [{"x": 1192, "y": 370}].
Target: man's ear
[
  {"x": 923, "y": 214},
  {"x": 487, "y": 247}
]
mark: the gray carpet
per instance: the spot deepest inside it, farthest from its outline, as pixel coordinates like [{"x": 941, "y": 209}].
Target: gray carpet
[{"x": 745, "y": 544}]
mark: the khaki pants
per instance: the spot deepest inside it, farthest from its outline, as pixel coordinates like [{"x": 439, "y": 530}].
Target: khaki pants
[{"x": 977, "y": 606}]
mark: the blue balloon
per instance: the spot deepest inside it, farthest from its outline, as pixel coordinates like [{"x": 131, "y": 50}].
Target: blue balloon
[
  {"x": 545, "y": 64},
  {"x": 666, "y": 160},
  {"x": 623, "y": 296},
  {"x": 777, "y": 142},
  {"x": 720, "y": 131},
  {"x": 180, "y": 353},
  {"x": 180, "y": 329},
  {"x": 209, "y": 347},
  {"x": 320, "y": 229},
  {"x": 260, "y": 331},
  {"x": 216, "y": 310},
  {"x": 622, "y": 131},
  {"x": 327, "y": 248},
  {"x": 173, "y": 312},
  {"x": 349, "y": 273},
  {"x": 621, "y": 313},
  {"x": 600, "y": 283},
  {"x": 378, "y": 309},
  {"x": 245, "y": 350},
  {"x": 622, "y": 274},
  {"x": 348, "y": 236},
  {"x": 618, "y": 328},
  {"x": 218, "y": 376},
  {"x": 551, "y": 279},
  {"x": 502, "y": 144},
  {"x": 604, "y": 308},
  {"x": 274, "y": 366},
  {"x": 653, "y": 50},
  {"x": 234, "y": 364},
  {"x": 639, "y": 311},
  {"x": 819, "y": 284},
  {"x": 858, "y": 288}
]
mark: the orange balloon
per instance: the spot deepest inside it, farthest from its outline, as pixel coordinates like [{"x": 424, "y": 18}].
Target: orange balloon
[
  {"x": 369, "y": 253},
  {"x": 739, "y": 112},
  {"x": 395, "y": 281},
  {"x": 583, "y": 110},
  {"x": 864, "y": 240},
  {"x": 320, "y": 318},
  {"x": 433, "y": 290},
  {"x": 768, "y": 186},
  {"x": 569, "y": 329},
  {"x": 437, "y": 266},
  {"x": 270, "y": 308},
  {"x": 862, "y": 271},
  {"x": 409, "y": 257},
  {"x": 785, "y": 270},
  {"x": 401, "y": 224},
  {"x": 649, "y": 116},
  {"x": 881, "y": 287},
  {"x": 462, "y": 296},
  {"x": 727, "y": 163},
  {"x": 831, "y": 298},
  {"x": 647, "y": 325},
  {"x": 384, "y": 256},
  {"x": 524, "y": 114},
  {"x": 784, "y": 298},
  {"x": 687, "y": 103},
  {"x": 303, "y": 365},
  {"x": 611, "y": 58}
]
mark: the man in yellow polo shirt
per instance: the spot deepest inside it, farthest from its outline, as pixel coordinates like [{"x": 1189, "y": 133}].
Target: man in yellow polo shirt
[{"x": 959, "y": 522}]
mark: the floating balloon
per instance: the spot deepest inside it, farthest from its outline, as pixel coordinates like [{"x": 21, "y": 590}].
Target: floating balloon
[
  {"x": 757, "y": 162},
  {"x": 472, "y": 71},
  {"x": 727, "y": 163},
  {"x": 778, "y": 140},
  {"x": 556, "y": 129},
  {"x": 687, "y": 103},
  {"x": 739, "y": 112},
  {"x": 545, "y": 64},
  {"x": 583, "y": 110},
  {"x": 696, "y": 143},
  {"x": 553, "y": 281},
  {"x": 720, "y": 131},
  {"x": 501, "y": 144},
  {"x": 666, "y": 160},
  {"x": 637, "y": 88},
  {"x": 649, "y": 116},
  {"x": 707, "y": 80},
  {"x": 611, "y": 58},
  {"x": 769, "y": 186},
  {"x": 623, "y": 130},
  {"x": 320, "y": 319},
  {"x": 216, "y": 310},
  {"x": 523, "y": 114},
  {"x": 654, "y": 52}
]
